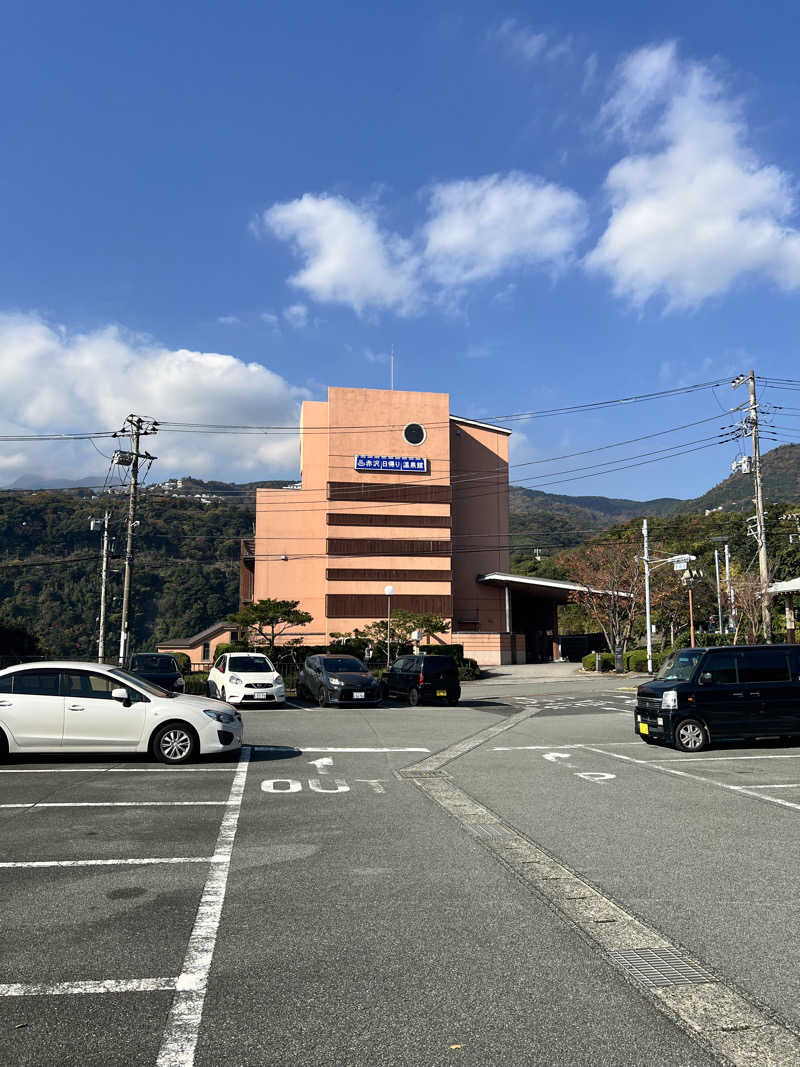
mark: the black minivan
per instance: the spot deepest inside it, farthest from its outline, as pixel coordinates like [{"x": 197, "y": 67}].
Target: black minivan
[
  {"x": 423, "y": 678},
  {"x": 703, "y": 695}
]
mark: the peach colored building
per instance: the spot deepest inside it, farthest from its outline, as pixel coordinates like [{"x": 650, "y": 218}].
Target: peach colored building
[{"x": 395, "y": 491}]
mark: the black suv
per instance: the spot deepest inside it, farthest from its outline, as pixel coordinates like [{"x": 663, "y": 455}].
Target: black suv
[
  {"x": 337, "y": 680},
  {"x": 423, "y": 678},
  {"x": 702, "y": 695},
  {"x": 159, "y": 669}
]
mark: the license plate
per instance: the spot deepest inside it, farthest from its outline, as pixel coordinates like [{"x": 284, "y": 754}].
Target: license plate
[
  {"x": 260, "y": 694},
  {"x": 644, "y": 728},
  {"x": 441, "y": 692},
  {"x": 358, "y": 696}
]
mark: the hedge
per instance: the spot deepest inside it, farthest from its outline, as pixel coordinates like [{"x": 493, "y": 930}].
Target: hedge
[
  {"x": 456, "y": 651},
  {"x": 607, "y": 661},
  {"x": 196, "y": 683},
  {"x": 468, "y": 669}
]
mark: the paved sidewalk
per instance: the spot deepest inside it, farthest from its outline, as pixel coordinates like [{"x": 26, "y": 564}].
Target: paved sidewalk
[{"x": 519, "y": 673}]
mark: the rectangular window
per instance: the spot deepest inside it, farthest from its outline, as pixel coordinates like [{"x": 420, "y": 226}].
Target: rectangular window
[
  {"x": 390, "y": 492},
  {"x": 205, "y": 652},
  {"x": 386, "y": 546},
  {"x": 763, "y": 665},
  {"x": 341, "y": 518},
  {"x": 385, "y": 574},
  {"x": 373, "y": 606},
  {"x": 722, "y": 667}
]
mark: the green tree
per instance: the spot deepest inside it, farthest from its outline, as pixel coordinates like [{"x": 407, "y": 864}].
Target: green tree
[{"x": 271, "y": 619}]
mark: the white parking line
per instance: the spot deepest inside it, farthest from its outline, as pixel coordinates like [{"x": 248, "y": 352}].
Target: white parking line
[
  {"x": 785, "y": 785},
  {"x": 377, "y": 750},
  {"x": 118, "y": 770},
  {"x": 123, "y": 804},
  {"x": 144, "y": 861},
  {"x": 740, "y": 790},
  {"x": 553, "y": 748},
  {"x": 717, "y": 759},
  {"x": 108, "y": 985},
  {"x": 183, "y": 1024}
]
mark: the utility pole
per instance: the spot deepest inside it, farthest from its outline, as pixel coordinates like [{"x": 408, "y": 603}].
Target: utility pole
[
  {"x": 731, "y": 602},
  {"x": 751, "y": 429},
  {"x": 138, "y": 426},
  {"x": 646, "y": 558},
  {"x": 101, "y": 641},
  {"x": 719, "y": 594}
]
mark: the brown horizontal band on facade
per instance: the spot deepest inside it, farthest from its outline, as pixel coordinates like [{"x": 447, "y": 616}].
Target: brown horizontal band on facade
[
  {"x": 341, "y": 518},
  {"x": 373, "y": 606},
  {"x": 388, "y": 492},
  {"x": 378, "y": 574},
  {"x": 386, "y": 546}
]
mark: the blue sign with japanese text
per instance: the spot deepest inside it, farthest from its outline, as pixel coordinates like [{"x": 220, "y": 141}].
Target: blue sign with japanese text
[{"x": 401, "y": 464}]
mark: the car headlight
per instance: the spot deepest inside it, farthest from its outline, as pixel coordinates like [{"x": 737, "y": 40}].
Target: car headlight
[
  {"x": 278, "y": 680},
  {"x": 335, "y": 682},
  {"x": 235, "y": 680},
  {"x": 669, "y": 700},
  {"x": 219, "y": 716},
  {"x": 180, "y": 684}
]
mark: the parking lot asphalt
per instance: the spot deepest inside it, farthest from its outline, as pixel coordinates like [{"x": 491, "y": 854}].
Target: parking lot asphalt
[{"x": 314, "y": 901}]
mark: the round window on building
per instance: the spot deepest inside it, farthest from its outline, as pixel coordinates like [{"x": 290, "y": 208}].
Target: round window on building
[{"x": 414, "y": 434}]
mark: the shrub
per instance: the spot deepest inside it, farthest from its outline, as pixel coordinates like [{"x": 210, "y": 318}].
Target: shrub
[
  {"x": 183, "y": 661},
  {"x": 196, "y": 682},
  {"x": 230, "y": 646},
  {"x": 607, "y": 661},
  {"x": 636, "y": 660},
  {"x": 468, "y": 669},
  {"x": 456, "y": 651}
]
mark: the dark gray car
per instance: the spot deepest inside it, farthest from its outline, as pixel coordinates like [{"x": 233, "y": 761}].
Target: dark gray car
[{"x": 337, "y": 680}]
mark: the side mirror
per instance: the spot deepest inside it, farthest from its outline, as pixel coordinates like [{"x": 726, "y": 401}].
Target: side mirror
[
  {"x": 706, "y": 678},
  {"x": 121, "y": 695}
]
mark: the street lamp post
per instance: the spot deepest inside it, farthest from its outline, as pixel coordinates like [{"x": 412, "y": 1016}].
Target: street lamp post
[
  {"x": 680, "y": 562},
  {"x": 389, "y": 591}
]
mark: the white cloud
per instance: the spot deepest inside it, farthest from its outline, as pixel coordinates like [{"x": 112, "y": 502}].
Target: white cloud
[
  {"x": 349, "y": 260},
  {"x": 479, "y": 229},
  {"x": 58, "y": 382},
  {"x": 296, "y": 316},
  {"x": 270, "y": 318},
  {"x": 693, "y": 209},
  {"x": 228, "y": 320},
  {"x": 475, "y": 230},
  {"x": 518, "y": 40},
  {"x": 375, "y": 357}
]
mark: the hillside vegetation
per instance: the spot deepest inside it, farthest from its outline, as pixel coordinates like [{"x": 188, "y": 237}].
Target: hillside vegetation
[{"x": 186, "y": 572}]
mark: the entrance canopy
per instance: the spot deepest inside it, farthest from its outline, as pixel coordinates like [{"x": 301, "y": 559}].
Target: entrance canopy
[{"x": 792, "y": 586}]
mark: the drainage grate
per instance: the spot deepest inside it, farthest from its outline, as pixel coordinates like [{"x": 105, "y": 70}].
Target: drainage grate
[
  {"x": 491, "y": 829},
  {"x": 660, "y": 967},
  {"x": 411, "y": 772}
]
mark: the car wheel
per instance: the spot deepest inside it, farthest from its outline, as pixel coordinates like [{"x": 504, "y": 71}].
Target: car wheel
[
  {"x": 3, "y": 746},
  {"x": 222, "y": 694},
  {"x": 322, "y": 697},
  {"x": 691, "y": 736},
  {"x": 413, "y": 696},
  {"x": 174, "y": 743}
]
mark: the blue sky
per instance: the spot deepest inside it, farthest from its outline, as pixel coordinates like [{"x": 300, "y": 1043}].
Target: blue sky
[{"x": 212, "y": 212}]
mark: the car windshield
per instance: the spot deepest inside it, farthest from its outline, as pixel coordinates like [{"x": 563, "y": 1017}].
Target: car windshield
[
  {"x": 140, "y": 683},
  {"x": 680, "y": 666},
  {"x": 152, "y": 662},
  {"x": 250, "y": 665},
  {"x": 350, "y": 664}
]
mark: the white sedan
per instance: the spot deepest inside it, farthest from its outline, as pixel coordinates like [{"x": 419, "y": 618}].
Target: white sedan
[
  {"x": 92, "y": 707},
  {"x": 245, "y": 678}
]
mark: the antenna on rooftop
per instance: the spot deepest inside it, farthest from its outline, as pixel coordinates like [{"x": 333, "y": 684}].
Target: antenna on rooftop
[{"x": 391, "y": 378}]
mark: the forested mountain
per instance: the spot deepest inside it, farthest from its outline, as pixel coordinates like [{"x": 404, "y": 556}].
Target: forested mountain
[
  {"x": 186, "y": 572},
  {"x": 549, "y": 522}
]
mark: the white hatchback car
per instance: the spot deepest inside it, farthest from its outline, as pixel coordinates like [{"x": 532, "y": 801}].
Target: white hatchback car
[
  {"x": 245, "y": 678},
  {"x": 93, "y": 707}
]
